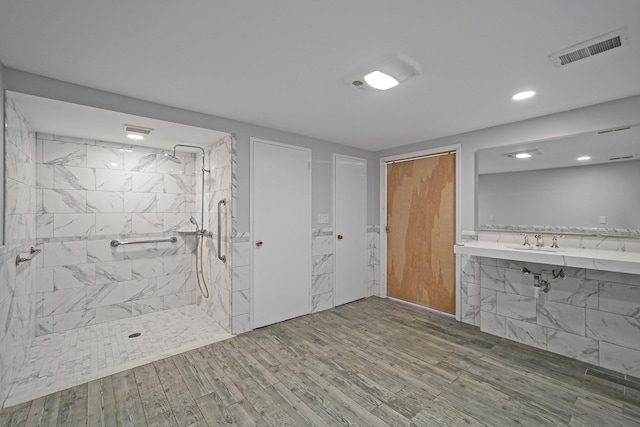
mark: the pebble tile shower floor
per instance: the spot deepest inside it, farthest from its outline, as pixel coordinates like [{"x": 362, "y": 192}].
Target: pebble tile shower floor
[{"x": 65, "y": 359}]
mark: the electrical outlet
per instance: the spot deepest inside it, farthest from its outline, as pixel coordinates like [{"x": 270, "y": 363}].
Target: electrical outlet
[
  {"x": 323, "y": 218},
  {"x": 603, "y": 219}
]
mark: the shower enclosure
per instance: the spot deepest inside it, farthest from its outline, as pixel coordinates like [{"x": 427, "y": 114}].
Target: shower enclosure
[{"x": 86, "y": 194}]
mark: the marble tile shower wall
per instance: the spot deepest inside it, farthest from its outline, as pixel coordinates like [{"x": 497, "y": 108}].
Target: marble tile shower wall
[
  {"x": 217, "y": 273},
  {"x": 593, "y": 316},
  {"x": 17, "y": 283},
  {"x": 90, "y": 192}
]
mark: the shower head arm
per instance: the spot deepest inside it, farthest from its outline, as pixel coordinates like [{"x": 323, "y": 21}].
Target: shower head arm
[
  {"x": 187, "y": 146},
  {"x": 202, "y": 230}
]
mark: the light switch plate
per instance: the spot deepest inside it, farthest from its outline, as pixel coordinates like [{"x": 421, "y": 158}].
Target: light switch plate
[
  {"x": 323, "y": 218},
  {"x": 603, "y": 219}
]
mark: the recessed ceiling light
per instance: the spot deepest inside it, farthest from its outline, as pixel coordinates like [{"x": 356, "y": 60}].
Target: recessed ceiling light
[
  {"x": 380, "y": 80},
  {"x": 522, "y": 156},
  {"x": 135, "y": 136},
  {"x": 584, "y": 158},
  {"x": 523, "y": 95}
]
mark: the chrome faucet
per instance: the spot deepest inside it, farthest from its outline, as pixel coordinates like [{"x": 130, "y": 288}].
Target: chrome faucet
[
  {"x": 554, "y": 244},
  {"x": 539, "y": 240},
  {"x": 526, "y": 240}
]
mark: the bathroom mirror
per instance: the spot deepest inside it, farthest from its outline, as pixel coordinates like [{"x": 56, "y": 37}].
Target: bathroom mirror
[{"x": 580, "y": 184}]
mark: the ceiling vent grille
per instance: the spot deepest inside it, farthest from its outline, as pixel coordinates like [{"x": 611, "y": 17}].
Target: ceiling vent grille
[
  {"x": 618, "y": 158},
  {"x": 602, "y": 132},
  {"x": 137, "y": 129},
  {"x": 591, "y": 47}
]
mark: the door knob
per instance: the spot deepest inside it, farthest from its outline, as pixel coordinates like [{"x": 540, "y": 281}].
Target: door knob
[
  {"x": 258, "y": 243},
  {"x": 340, "y": 237}
]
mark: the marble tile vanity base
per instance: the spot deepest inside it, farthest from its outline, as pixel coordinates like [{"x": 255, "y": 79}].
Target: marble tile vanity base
[
  {"x": 591, "y": 315},
  {"x": 61, "y": 360}
]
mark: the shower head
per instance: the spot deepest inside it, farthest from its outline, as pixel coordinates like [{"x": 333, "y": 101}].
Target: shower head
[
  {"x": 173, "y": 158},
  {"x": 194, "y": 222}
]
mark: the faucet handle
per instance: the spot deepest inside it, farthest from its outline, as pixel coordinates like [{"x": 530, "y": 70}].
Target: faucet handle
[
  {"x": 526, "y": 239},
  {"x": 555, "y": 241}
]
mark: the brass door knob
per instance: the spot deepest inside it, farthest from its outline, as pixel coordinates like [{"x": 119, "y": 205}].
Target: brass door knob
[
  {"x": 258, "y": 243},
  {"x": 340, "y": 237}
]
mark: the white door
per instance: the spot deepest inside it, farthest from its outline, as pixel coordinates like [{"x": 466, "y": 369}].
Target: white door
[
  {"x": 350, "y": 206},
  {"x": 281, "y": 231}
]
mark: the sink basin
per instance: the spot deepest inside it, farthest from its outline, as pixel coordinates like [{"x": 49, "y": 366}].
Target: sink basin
[{"x": 535, "y": 248}]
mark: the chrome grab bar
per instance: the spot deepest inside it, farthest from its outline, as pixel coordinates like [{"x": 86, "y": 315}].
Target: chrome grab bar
[
  {"x": 32, "y": 253},
  {"x": 116, "y": 243},
  {"x": 221, "y": 257}
]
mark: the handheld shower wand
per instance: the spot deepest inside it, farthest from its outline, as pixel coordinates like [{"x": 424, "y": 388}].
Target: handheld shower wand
[{"x": 195, "y": 222}]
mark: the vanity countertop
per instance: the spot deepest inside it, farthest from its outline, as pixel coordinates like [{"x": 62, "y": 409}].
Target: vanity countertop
[{"x": 593, "y": 259}]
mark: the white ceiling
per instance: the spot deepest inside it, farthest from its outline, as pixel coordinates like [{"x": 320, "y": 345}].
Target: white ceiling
[
  {"x": 62, "y": 118},
  {"x": 281, "y": 63}
]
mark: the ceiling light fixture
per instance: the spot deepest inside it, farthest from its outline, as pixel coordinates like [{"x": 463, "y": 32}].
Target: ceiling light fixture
[
  {"x": 136, "y": 132},
  {"x": 381, "y": 81},
  {"x": 523, "y": 95},
  {"x": 383, "y": 74},
  {"x": 583, "y": 158},
  {"x": 523, "y": 154}
]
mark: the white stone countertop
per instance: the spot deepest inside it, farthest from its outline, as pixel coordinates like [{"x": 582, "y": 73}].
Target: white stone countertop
[{"x": 593, "y": 259}]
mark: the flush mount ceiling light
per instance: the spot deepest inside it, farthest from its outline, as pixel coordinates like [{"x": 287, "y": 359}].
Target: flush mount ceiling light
[
  {"x": 136, "y": 132},
  {"x": 381, "y": 81},
  {"x": 583, "y": 158},
  {"x": 524, "y": 154},
  {"x": 383, "y": 74},
  {"x": 523, "y": 95}
]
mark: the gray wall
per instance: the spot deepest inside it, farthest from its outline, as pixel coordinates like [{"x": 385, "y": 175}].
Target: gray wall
[
  {"x": 609, "y": 114},
  {"x": 32, "y": 84},
  {"x": 2, "y": 151},
  {"x": 573, "y": 196}
]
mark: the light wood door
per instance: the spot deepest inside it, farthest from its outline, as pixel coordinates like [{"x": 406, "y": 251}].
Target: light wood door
[
  {"x": 350, "y": 227},
  {"x": 421, "y": 220},
  {"x": 281, "y": 231}
]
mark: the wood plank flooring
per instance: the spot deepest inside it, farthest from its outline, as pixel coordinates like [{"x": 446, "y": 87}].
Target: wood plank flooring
[{"x": 371, "y": 363}]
